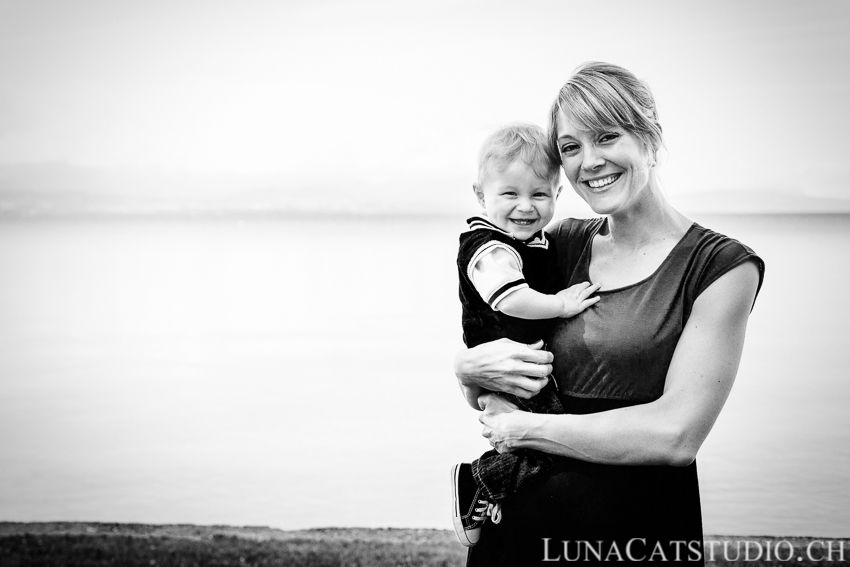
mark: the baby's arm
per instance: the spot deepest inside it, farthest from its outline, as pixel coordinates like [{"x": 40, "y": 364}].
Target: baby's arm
[
  {"x": 526, "y": 303},
  {"x": 496, "y": 273}
]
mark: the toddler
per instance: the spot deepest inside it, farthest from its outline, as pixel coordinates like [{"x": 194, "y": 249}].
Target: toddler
[{"x": 506, "y": 268}]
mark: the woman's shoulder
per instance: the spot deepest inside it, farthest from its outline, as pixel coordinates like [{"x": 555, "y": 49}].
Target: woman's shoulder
[
  {"x": 569, "y": 238},
  {"x": 713, "y": 254},
  {"x": 574, "y": 230}
]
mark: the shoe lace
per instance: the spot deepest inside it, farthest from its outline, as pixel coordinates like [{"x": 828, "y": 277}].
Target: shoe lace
[
  {"x": 487, "y": 508},
  {"x": 482, "y": 511},
  {"x": 494, "y": 510}
]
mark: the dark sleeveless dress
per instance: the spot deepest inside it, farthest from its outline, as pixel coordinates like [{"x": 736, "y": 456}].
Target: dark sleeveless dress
[{"x": 613, "y": 355}]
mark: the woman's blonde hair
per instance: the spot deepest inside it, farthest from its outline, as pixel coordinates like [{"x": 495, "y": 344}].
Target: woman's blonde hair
[{"x": 600, "y": 96}]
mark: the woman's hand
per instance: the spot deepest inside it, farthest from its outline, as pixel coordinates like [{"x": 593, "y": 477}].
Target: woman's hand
[
  {"x": 504, "y": 423},
  {"x": 503, "y": 365}
]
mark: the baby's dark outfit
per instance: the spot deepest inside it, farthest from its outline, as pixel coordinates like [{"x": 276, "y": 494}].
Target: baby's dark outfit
[{"x": 532, "y": 264}]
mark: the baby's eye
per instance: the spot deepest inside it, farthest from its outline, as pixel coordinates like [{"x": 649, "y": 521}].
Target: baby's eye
[
  {"x": 509, "y": 193},
  {"x": 541, "y": 195}
]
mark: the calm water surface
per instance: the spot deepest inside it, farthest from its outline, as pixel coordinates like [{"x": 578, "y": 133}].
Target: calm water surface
[{"x": 297, "y": 373}]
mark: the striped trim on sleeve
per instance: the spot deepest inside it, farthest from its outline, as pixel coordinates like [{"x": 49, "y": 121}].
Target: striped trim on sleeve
[
  {"x": 495, "y": 271},
  {"x": 504, "y": 291}
]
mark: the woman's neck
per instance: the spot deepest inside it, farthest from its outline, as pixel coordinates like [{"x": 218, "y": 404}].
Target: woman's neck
[
  {"x": 650, "y": 219},
  {"x": 636, "y": 241}
]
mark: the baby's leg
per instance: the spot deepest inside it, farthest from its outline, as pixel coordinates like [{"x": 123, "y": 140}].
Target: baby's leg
[
  {"x": 546, "y": 401},
  {"x": 500, "y": 475}
]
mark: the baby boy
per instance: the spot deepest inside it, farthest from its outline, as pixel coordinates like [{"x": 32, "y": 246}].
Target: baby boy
[{"x": 506, "y": 269}]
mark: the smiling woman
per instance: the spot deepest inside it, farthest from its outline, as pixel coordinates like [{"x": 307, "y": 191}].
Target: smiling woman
[
  {"x": 643, "y": 374},
  {"x": 608, "y": 142}
]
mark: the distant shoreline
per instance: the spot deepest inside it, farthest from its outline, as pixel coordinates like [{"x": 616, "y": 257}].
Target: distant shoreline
[
  {"x": 101, "y": 543},
  {"x": 194, "y": 531},
  {"x": 96, "y": 544}
]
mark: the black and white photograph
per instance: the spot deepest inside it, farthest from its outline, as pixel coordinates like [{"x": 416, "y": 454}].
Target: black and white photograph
[{"x": 442, "y": 283}]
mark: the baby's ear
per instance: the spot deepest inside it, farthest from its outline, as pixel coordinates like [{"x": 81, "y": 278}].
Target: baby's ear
[
  {"x": 558, "y": 192},
  {"x": 479, "y": 193}
]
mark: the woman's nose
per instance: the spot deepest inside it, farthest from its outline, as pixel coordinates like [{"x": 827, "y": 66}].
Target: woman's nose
[{"x": 591, "y": 158}]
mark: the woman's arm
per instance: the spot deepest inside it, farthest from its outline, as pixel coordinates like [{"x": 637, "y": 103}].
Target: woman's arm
[
  {"x": 669, "y": 430},
  {"x": 502, "y": 365}
]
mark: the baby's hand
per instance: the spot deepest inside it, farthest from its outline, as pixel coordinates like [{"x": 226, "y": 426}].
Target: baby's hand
[{"x": 576, "y": 299}]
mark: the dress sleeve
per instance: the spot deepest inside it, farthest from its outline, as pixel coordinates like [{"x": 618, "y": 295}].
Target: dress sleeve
[
  {"x": 495, "y": 272},
  {"x": 719, "y": 255}
]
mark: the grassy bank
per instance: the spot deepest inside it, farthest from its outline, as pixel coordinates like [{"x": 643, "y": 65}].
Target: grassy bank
[{"x": 137, "y": 545}]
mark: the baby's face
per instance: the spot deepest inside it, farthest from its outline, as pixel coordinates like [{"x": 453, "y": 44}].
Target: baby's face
[{"x": 517, "y": 200}]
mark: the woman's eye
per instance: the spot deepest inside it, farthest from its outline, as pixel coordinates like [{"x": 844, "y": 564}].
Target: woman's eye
[
  {"x": 608, "y": 137},
  {"x": 569, "y": 148}
]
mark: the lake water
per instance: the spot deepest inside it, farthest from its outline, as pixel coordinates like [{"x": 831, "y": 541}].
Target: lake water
[{"x": 297, "y": 373}]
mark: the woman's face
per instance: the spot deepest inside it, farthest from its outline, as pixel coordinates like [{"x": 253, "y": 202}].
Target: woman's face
[{"x": 608, "y": 169}]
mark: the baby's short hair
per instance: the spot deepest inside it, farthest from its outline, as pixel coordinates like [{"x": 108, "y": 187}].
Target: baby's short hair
[{"x": 526, "y": 142}]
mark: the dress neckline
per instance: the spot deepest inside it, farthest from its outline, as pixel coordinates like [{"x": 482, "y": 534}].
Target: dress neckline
[{"x": 651, "y": 276}]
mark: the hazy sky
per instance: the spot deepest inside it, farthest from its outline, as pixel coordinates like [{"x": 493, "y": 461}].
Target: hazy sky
[{"x": 384, "y": 103}]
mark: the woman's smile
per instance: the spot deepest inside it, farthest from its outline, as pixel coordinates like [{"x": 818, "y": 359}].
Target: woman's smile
[{"x": 602, "y": 182}]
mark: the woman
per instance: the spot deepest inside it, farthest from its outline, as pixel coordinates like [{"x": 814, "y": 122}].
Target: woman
[{"x": 642, "y": 375}]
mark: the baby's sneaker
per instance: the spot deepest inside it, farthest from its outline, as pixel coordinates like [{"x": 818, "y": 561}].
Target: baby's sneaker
[{"x": 470, "y": 505}]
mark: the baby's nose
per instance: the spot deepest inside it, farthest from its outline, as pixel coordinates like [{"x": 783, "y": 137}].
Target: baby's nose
[{"x": 525, "y": 205}]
